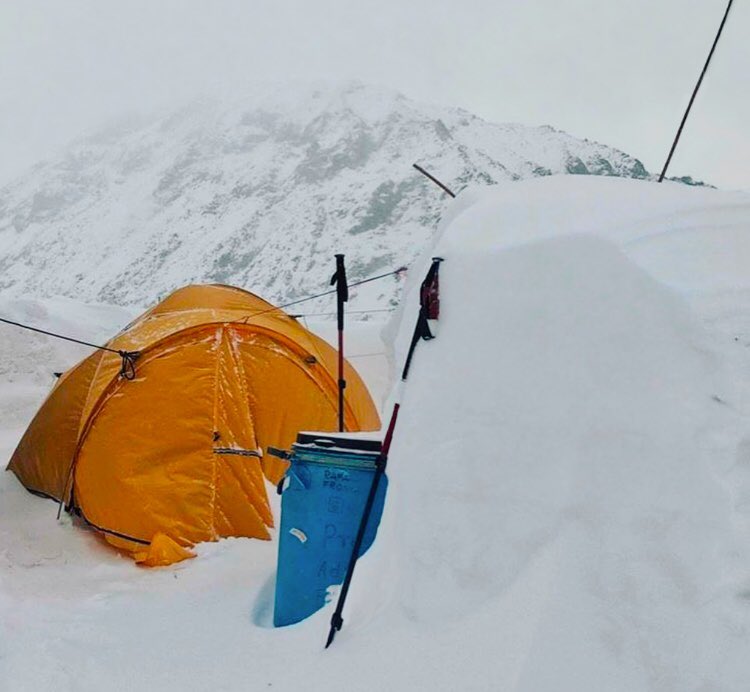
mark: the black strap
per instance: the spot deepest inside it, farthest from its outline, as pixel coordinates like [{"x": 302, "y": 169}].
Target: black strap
[
  {"x": 127, "y": 368},
  {"x": 339, "y": 280},
  {"x": 239, "y": 452}
]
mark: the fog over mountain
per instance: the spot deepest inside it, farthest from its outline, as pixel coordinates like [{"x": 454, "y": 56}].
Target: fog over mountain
[{"x": 261, "y": 192}]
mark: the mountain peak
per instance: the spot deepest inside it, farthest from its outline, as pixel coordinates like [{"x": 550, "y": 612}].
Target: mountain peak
[{"x": 261, "y": 191}]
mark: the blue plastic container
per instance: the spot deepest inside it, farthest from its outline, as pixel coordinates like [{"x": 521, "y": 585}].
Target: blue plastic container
[{"x": 323, "y": 498}]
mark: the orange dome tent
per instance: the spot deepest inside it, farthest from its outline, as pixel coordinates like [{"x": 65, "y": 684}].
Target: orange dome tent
[{"x": 175, "y": 456}]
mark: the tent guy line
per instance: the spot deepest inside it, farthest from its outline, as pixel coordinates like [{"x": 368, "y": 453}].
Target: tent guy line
[
  {"x": 393, "y": 272},
  {"x": 348, "y": 312},
  {"x": 129, "y": 357}
]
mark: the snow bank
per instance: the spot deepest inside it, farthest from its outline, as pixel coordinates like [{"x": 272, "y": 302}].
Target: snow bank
[
  {"x": 568, "y": 482},
  {"x": 693, "y": 240},
  {"x": 558, "y": 467}
]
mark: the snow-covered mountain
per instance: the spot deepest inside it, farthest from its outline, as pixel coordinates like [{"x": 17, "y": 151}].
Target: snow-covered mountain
[{"x": 261, "y": 193}]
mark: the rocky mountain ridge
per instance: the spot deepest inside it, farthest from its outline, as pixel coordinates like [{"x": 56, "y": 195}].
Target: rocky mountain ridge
[{"x": 262, "y": 192}]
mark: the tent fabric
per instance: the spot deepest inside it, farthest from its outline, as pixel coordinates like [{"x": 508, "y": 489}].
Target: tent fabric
[
  {"x": 161, "y": 552},
  {"x": 179, "y": 450}
]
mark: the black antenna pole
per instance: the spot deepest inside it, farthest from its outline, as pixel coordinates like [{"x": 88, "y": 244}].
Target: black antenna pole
[
  {"x": 342, "y": 295},
  {"x": 445, "y": 188},
  {"x": 695, "y": 93}
]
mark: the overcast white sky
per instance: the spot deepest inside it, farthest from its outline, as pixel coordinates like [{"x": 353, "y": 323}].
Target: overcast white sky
[{"x": 617, "y": 71}]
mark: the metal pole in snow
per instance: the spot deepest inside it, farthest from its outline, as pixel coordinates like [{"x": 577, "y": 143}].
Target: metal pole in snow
[
  {"x": 695, "y": 92},
  {"x": 442, "y": 186}
]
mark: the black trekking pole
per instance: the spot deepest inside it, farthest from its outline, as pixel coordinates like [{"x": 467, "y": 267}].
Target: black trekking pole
[
  {"x": 429, "y": 309},
  {"x": 342, "y": 296},
  {"x": 336, "y": 620}
]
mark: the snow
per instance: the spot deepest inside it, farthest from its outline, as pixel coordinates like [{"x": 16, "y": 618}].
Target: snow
[
  {"x": 569, "y": 498},
  {"x": 584, "y": 456}
]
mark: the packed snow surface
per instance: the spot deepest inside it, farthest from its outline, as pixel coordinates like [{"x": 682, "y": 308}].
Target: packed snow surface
[{"x": 569, "y": 505}]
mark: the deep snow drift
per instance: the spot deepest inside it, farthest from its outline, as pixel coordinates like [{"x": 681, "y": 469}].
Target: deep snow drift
[
  {"x": 569, "y": 496},
  {"x": 562, "y": 515}
]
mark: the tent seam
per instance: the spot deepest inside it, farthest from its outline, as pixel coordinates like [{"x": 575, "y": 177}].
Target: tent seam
[
  {"x": 218, "y": 341},
  {"x": 246, "y": 389},
  {"x": 238, "y": 482}
]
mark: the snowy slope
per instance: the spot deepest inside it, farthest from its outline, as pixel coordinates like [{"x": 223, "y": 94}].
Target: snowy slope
[
  {"x": 569, "y": 499},
  {"x": 575, "y": 446},
  {"x": 567, "y": 515},
  {"x": 262, "y": 192}
]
